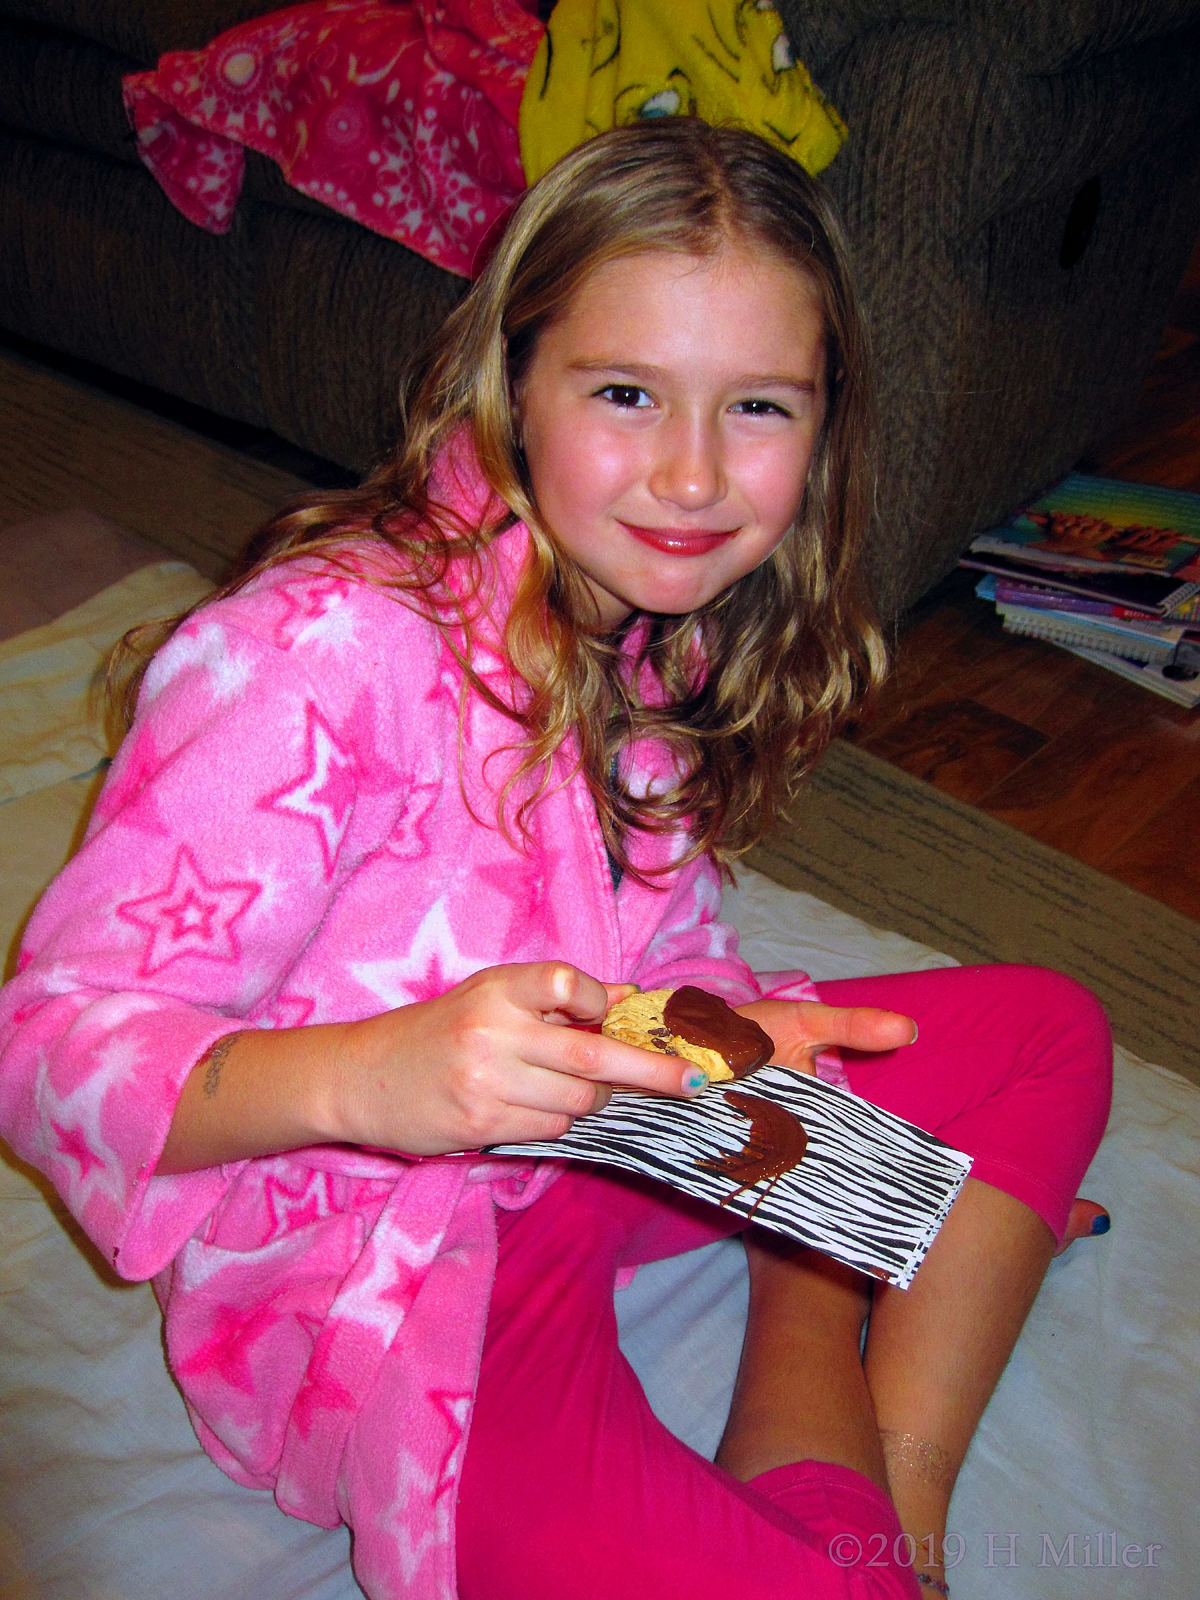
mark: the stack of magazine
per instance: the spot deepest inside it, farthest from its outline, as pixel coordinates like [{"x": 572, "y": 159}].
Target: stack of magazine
[{"x": 1108, "y": 570}]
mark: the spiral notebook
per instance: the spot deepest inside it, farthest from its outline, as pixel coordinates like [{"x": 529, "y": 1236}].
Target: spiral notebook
[{"x": 802, "y": 1157}]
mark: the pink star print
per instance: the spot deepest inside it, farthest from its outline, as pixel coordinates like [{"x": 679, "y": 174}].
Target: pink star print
[
  {"x": 525, "y": 885},
  {"x": 285, "y": 1011},
  {"x": 24, "y": 1013},
  {"x": 447, "y": 686},
  {"x": 226, "y": 1351},
  {"x": 127, "y": 791},
  {"x": 311, "y": 1323},
  {"x": 321, "y": 1391},
  {"x": 294, "y": 1207},
  {"x": 306, "y": 603},
  {"x": 190, "y": 917},
  {"x": 433, "y": 964},
  {"x": 454, "y": 1409},
  {"x": 409, "y": 841},
  {"x": 325, "y": 792},
  {"x": 435, "y": 980},
  {"x": 72, "y": 1143}
]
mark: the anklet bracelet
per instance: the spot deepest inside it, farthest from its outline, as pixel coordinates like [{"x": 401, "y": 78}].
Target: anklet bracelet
[{"x": 934, "y": 1583}]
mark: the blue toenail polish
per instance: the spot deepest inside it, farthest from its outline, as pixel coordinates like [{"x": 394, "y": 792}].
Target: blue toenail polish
[{"x": 1100, "y": 1224}]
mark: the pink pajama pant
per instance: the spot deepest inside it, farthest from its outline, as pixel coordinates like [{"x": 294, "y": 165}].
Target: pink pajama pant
[{"x": 573, "y": 1490}]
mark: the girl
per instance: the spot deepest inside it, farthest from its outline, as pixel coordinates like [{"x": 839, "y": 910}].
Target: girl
[{"x": 404, "y": 810}]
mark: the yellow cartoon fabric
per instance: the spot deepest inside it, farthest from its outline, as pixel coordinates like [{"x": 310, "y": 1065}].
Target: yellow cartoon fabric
[{"x": 605, "y": 63}]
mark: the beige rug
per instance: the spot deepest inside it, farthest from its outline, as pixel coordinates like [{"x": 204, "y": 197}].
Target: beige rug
[{"x": 897, "y": 852}]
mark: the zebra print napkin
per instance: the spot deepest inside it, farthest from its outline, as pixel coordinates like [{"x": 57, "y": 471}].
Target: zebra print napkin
[{"x": 869, "y": 1189}]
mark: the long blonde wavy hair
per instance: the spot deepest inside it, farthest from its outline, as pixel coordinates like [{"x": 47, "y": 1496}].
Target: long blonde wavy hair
[{"x": 788, "y": 652}]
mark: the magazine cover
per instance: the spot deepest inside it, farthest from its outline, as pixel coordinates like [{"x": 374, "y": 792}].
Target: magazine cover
[
  {"x": 1176, "y": 681},
  {"x": 1013, "y": 592},
  {"x": 1088, "y": 522},
  {"x": 1153, "y": 592}
]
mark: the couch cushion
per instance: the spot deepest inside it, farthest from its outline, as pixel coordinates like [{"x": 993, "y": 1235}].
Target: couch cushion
[
  {"x": 340, "y": 315},
  {"x": 64, "y": 88},
  {"x": 1041, "y": 36},
  {"x": 967, "y": 137},
  {"x": 95, "y": 260},
  {"x": 143, "y": 29}
]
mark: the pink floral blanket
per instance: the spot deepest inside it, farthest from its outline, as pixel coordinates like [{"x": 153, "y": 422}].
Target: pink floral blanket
[{"x": 401, "y": 114}]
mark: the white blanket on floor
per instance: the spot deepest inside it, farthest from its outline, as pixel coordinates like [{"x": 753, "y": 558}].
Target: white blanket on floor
[{"x": 1085, "y": 1459}]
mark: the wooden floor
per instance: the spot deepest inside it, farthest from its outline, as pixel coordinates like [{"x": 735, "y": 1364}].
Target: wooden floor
[{"x": 1061, "y": 749}]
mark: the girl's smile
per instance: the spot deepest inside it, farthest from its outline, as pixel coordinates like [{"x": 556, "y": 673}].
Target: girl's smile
[
  {"x": 668, "y": 421},
  {"x": 679, "y": 541}
]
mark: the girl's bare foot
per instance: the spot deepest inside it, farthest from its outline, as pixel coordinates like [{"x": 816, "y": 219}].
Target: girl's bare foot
[
  {"x": 1087, "y": 1219},
  {"x": 932, "y": 1578}
]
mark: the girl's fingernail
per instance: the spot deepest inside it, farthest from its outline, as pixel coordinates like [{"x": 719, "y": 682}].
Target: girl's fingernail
[
  {"x": 916, "y": 1032},
  {"x": 694, "y": 1079},
  {"x": 1100, "y": 1224}
]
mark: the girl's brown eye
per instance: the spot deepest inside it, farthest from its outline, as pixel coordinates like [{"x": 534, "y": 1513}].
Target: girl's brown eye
[
  {"x": 761, "y": 408},
  {"x": 625, "y": 394}
]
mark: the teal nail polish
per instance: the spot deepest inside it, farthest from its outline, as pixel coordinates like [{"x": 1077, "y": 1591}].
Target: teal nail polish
[
  {"x": 1100, "y": 1224},
  {"x": 694, "y": 1079}
]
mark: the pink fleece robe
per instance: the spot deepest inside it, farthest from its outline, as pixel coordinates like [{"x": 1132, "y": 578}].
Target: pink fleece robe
[{"x": 287, "y": 837}]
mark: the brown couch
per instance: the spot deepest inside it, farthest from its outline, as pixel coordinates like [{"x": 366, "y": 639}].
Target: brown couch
[{"x": 1021, "y": 187}]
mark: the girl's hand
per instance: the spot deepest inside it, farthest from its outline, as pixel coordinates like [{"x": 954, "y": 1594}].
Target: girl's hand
[
  {"x": 493, "y": 1061},
  {"x": 801, "y": 1029}
]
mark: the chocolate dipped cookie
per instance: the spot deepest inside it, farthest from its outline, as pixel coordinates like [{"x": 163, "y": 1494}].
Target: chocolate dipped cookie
[{"x": 694, "y": 1024}]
